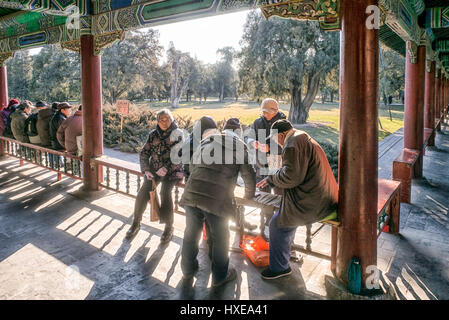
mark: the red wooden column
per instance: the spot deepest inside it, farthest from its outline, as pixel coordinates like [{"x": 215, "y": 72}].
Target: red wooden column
[
  {"x": 437, "y": 94},
  {"x": 91, "y": 100},
  {"x": 414, "y": 104},
  {"x": 3, "y": 87},
  {"x": 429, "y": 100},
  {"x": 359, "y": 52}
]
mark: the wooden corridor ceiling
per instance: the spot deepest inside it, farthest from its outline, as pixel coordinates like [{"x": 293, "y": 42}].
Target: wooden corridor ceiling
[{"x": 33, "y": 23}]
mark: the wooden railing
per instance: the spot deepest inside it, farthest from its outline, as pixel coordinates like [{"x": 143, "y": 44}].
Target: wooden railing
[
  {"x": 60, "y": 162},
  {"x": 126, "y": 178}
]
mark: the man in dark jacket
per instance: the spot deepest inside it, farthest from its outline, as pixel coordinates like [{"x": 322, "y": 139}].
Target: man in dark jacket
[
  {"x": 18, "y": 120},
  {"x": 64, "y": 110},
  {"x": 156, "y": 164},
  {"x": 209, "y": 197},
  {"x": 260, "y": 145},
  {"x": 43, "y": 123},
  {"x": 310, "y": 192}
]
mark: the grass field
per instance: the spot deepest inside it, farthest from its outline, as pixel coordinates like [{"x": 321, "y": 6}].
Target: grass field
[{"x": 323, "y": 123}]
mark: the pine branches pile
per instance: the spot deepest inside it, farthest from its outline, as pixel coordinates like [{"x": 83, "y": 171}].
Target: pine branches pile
[{"x": 136, "y": 126}]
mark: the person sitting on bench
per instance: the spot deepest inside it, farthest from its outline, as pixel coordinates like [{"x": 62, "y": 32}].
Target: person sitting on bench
[
  {"x": 310, "y": 192},
  {"x": 156, "y": 164}
]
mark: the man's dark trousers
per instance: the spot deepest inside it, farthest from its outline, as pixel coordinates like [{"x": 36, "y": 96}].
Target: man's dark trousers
[{"x": 219, "y": 240}]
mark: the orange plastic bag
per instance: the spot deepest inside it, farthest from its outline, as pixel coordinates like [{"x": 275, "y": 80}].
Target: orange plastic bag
[{"x": 256, "y": 248}]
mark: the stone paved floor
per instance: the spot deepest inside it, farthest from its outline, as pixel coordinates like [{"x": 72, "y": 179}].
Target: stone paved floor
[{"x": 57, "y": 243}]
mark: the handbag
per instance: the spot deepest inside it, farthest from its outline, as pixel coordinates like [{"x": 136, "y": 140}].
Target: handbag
[{"x": 155, "y": 206}]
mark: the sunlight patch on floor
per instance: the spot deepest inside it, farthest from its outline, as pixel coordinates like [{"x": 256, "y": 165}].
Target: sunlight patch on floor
[
  {"x": 26, "y": 193},
  {"x": 50, "y": 279}
]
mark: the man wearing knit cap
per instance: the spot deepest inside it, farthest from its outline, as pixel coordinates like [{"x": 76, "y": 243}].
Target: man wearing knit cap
[
  {"x": 310, "y": 192},
  {"x": 204, "y": 124}
]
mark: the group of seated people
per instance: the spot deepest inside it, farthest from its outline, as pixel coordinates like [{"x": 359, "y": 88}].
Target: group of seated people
[
  {"x": 53, "y": 127},
  {"x": 211, "y": 162}
]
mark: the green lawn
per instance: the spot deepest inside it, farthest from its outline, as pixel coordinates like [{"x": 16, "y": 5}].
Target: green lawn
[{"x": 323, "y": 123}]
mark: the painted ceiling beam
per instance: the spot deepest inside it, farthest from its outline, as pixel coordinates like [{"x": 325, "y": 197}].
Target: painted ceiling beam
[
  {"x": 54, "y": 7},
  {"x": 437, "y": 17}
]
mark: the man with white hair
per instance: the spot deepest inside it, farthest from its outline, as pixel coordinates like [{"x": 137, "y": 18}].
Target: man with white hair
[{"x": 257, "y": 140}]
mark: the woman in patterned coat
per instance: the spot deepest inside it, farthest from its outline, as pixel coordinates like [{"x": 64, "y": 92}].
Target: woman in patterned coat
[{"x": 156, "y": 164}]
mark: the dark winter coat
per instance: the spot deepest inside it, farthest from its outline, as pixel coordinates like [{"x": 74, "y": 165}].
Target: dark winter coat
[
  {"x": 211, "y": 185},
  {"x": 31, "y": 124},
  {"x": 69, "y": 130},
  {"x": 6, "y": 117},
  {"x": 54, "y": 124},
  {"x": 3, "y": 118},
  {"x": 310, "y": 190},
  {"x": 43, "y": 126},
  {"x": 156, "y": 153},
  {"x": 18, "y": 125},
  {"x": 262, "y": 124}
]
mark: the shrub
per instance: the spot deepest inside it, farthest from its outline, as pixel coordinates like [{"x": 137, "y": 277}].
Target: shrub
[
  {"x": 136, "y": 126},
  {"x": 331, "y": 151}
]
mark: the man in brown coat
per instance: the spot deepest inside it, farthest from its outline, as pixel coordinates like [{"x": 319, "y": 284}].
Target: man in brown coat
[
  {"x": 69, "y": 129},
  {"x": 310, "y": 192}
]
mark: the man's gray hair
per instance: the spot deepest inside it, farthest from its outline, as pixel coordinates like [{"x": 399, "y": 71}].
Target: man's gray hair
[{"x": 164, "y": 112}]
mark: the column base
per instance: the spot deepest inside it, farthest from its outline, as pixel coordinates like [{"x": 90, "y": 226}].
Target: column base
[
  {"x": 88, "y": 195},
  {"x": 336, "y": 290}
]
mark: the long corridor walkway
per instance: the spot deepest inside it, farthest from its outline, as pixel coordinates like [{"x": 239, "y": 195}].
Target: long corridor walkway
[{"x": 57, "y": 243}]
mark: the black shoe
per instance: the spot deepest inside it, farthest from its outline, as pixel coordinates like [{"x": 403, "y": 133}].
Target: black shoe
[
  {"x": 267, "y": 274},
  {"x": 135, "y": 227},
  {"x": 230, "y": 276},
  {"x": 168, "y": 234}
]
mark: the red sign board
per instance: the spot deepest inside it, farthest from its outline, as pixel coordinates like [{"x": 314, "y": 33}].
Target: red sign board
[{"x": 123, "y": 106}]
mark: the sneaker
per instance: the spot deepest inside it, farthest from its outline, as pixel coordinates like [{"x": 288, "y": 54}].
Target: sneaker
[
  {"x": 267, "y": 274},
  {"x": 231, "y": 276},
  {"x": 168, "y": 234}
]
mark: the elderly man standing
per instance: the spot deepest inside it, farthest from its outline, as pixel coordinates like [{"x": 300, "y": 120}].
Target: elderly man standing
[
  {"x": 257, "y": 140},
  {"x": 310, "y": 192},
  {"x": 209, "y": 197}
]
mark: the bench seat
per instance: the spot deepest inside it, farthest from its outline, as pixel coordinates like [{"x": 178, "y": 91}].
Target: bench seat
[{"x": 403, "y": 171}]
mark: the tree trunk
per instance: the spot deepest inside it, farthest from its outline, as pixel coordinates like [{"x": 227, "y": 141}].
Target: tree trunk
[
  {"x": 222, "y": 93},
  {"x": 298, "y": 114},
  {"x": 332, "y": 96},
  {"x": 299, "y": 109}
]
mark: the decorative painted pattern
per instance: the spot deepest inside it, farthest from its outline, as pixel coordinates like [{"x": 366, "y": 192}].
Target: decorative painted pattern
[
  {"x": 437, "y": 17},
  {"x": 402, "y": 17},
  {"x": 152, "y": 13},
  {"x": 442, "y": 45},
  {"x": 325, "y": 11}
]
